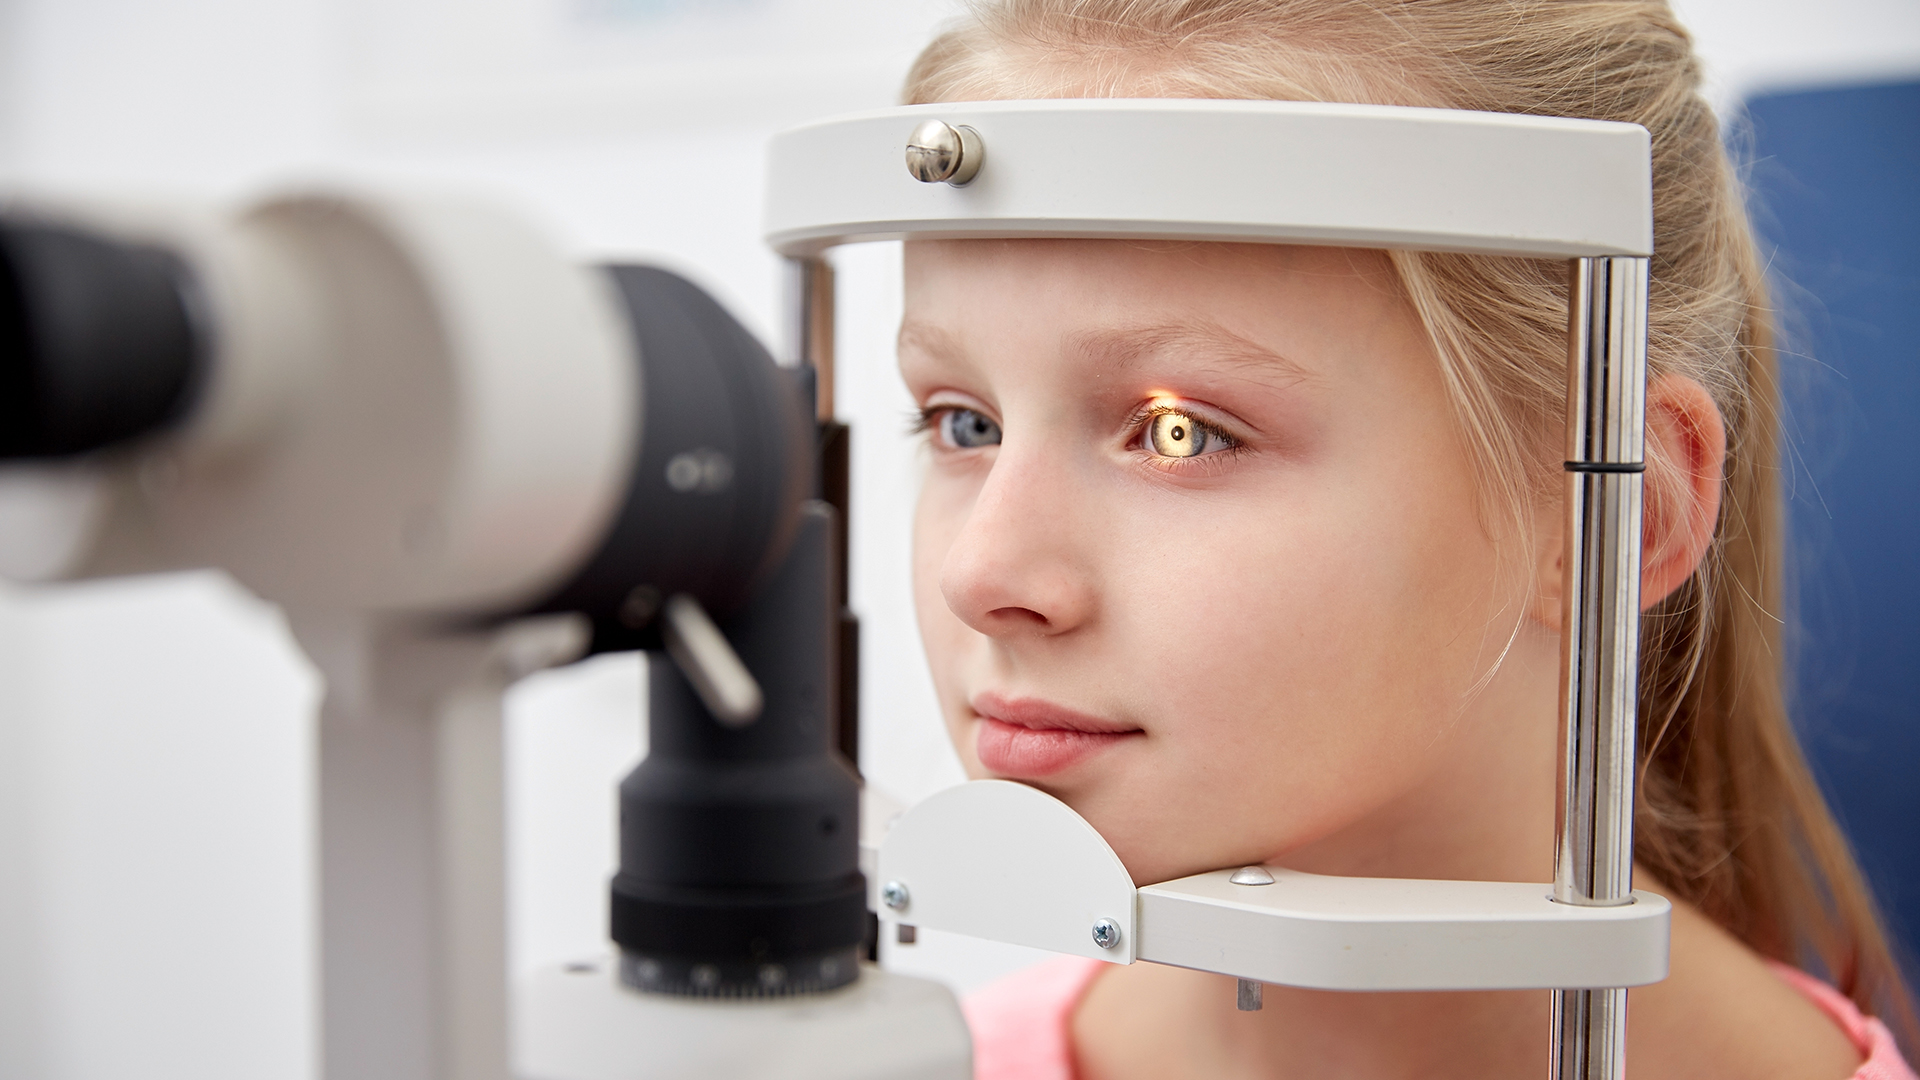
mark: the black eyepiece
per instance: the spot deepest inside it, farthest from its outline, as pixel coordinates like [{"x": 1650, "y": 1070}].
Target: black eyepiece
[{"x": 97, "y": 341}]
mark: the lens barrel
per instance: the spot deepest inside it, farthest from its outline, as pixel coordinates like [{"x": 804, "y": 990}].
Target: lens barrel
[
  {"x": 98, "y": 343},
  {"x": 739, "y": 848}
]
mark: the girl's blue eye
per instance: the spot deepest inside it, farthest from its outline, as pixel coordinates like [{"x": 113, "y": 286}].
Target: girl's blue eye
[
  {"x": 967, "y": 429},
  {"x": 1177, "y": 435}
]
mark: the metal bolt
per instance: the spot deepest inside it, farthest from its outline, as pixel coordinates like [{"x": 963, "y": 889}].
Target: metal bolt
[
  {"x": 940, "y": 152},
  {"x": 1251, "y": 875},
  {"x": 1106, "y": 933},
  {"x": 894, "y": 895}
]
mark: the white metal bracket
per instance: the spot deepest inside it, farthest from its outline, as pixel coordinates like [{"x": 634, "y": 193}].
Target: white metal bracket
[{"x": 1007, "y": 862}]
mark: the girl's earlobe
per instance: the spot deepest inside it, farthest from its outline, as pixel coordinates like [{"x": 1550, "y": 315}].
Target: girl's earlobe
[
  {"x": 1549, "y": 568},
  {"x": 1686, "y": 464},
  {"x": 1686, "y": 469}
]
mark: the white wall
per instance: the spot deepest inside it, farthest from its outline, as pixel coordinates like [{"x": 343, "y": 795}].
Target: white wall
[{"x": 155, "y": 764}]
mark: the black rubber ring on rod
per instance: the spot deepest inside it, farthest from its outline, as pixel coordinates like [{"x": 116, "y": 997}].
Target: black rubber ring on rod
[{"x": 1606, "y": 466}]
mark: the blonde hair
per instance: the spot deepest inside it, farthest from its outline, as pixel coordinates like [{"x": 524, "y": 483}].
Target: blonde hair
[{"x": 1729, "y": 817}]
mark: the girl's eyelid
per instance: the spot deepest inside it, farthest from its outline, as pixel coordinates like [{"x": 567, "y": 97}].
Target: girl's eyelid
[
  {"x": 924, "y": 419},
  {"x": 946, "y": 400},
  {"x": 1219, "y": 420}
]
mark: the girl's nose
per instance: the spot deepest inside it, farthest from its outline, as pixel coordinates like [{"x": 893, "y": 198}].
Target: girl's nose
[{"x": 1020, "y": 564}]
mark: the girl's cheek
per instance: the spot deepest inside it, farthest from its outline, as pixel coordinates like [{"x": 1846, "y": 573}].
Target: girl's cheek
[{"x": 938, "y": 518}]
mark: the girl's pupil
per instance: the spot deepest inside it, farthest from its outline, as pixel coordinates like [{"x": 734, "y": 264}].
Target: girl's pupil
[{"x": 1175, "y": 435}]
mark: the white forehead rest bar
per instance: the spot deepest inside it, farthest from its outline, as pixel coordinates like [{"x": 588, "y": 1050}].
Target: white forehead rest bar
[{"x": 1270, "y": 171}]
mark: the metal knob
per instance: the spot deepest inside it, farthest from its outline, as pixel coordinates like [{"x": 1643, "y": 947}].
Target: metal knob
[{"x": 939, "y": 152}]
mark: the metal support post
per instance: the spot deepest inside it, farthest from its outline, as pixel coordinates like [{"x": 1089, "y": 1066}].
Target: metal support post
[
  {"x": 412, "y": 866},
  {"x": 810, "y": 341},
  {"x": 1600, "y": 632},
  {"x": 810, "y": 326}
]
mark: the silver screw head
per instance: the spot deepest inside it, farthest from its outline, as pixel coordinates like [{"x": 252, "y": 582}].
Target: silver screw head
[
  {"x": 1106, "y": 933},
  {"x": 1251, "y": 875},
  {"x": 939, "y": 152},
  {"x": 894, "y": 895}
]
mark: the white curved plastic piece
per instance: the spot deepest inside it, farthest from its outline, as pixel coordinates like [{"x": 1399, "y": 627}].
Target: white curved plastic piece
[
  {"x": 464, "y": 436},
  {"x": 1007, "y": 862},
  {"x": 1342, "y": 933},
  {"x": 1300, "y": 172}
]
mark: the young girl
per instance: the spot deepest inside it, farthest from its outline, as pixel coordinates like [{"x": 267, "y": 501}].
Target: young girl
[{"x": 1251, "y": 553}]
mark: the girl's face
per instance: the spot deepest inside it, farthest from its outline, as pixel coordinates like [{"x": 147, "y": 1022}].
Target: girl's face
[{"x": 1199, "y": 550}]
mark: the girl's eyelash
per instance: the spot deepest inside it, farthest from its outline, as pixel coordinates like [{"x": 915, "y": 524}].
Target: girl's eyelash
[{"x": 920, "y": 421}]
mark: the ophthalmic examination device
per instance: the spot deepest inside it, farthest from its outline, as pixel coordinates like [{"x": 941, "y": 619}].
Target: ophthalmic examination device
[{"x": 453, "y": 457}]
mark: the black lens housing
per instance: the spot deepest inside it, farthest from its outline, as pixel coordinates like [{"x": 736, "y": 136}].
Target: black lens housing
[
  {"x": 99, "y": 344},
  {"x": 739, "y": 846}
]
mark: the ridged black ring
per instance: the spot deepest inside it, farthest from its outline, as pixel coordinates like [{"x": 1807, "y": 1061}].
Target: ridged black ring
[
  {"x": 1607, "y": 466},
  {"x": 744, "y": 924}
]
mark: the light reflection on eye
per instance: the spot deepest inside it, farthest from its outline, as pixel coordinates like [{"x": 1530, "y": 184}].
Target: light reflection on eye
[
  {"x": 968, "y": 429},
  {"x": 1177, "y": 435}
]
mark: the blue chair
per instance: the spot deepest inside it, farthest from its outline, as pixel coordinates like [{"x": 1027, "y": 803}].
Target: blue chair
[{"x": 1836, "y": 182}]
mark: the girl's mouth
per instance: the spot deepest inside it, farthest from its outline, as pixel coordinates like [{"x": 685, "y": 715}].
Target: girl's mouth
[{"x": 1027, "y": 739}]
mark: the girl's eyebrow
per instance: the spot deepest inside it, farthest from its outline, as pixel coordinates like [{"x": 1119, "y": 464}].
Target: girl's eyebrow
[
  {"x": 1198, "y": 344},
  {"x": 933, "y": 341}
]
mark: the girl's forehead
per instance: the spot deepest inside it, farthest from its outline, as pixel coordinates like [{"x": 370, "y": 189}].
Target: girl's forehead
[{"x": 1125, "y": 298}]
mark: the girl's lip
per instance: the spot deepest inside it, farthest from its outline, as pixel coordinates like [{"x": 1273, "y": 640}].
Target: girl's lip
[
  {"x": 1039, "y": 715},
  {"x": 1026, "y": 739}
]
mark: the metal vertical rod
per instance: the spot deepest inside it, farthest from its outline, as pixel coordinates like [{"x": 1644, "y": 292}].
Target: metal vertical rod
[
  {"x": 1600, "y": 632},
  {"x": 810, "y": 343},
  {"x": 810, "y": 329}
]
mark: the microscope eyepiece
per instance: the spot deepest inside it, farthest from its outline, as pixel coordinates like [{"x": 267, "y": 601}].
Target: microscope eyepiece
[{"x": 97, "y": 341}]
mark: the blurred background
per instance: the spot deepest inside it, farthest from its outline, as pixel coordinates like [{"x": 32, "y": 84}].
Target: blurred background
[{"x": 156, "y": 734}]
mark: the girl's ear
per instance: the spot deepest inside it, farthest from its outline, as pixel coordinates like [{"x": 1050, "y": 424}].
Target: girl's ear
[{"x": 1686, "y": 464}]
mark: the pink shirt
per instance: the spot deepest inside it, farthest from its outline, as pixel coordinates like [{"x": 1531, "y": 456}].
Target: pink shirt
[{"x": 1020, "y": 1023}]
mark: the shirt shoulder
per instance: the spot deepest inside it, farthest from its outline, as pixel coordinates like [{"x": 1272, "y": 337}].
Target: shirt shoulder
[
  {"x": 1869, "y": 1035},
  {"x": 1020, "y": 1023}
]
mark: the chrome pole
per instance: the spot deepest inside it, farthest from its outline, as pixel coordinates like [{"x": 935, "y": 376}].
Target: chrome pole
[{"x": 1600, "y": 633}]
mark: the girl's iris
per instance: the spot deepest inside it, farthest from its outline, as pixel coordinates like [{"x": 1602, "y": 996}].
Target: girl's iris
[
  {"x": 967, "y": 429},
  {"x": 1177, "y": 435}
]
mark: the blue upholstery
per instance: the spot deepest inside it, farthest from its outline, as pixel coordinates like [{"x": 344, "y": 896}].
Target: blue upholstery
[{"x": 1836, "y": 181}]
